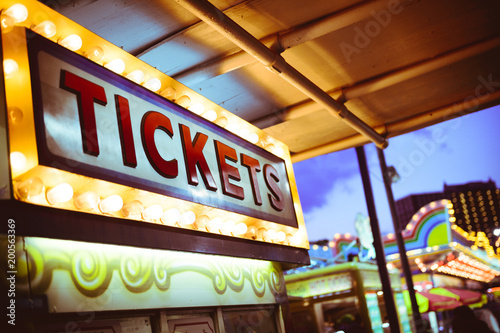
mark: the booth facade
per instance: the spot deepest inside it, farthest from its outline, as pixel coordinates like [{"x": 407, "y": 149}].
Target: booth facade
[{"x": 128, "y": 201}]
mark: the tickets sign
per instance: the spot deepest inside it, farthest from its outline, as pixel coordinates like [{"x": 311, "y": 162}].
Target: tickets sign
[{"x": 96, "y": 123}]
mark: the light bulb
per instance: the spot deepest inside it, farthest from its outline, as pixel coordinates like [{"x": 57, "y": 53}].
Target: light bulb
[
  {"x": 271, "y": 235},
  {"x": 29, "y": 188},
  {"x": 60, "y": 193},
  {"x": 202, "y": 222},
  {"x": 280, "y": 237},
  {"x": 253, "y": 138},
  {"x": 187, "y": 218},
  {"x": 15, "y": 115},
  {"x": 197, "y": 108},
  {"x": 183, "y": 101},
  {"x": 214, "y": 225},
  {"x": 232, "y": 127},
  {"x": 171, "y": 216},
  {"x": 87, "y": 200},
  {"x": 95, "y": 53},
  {"x": 210, "y": 115},
  {"x": 10, "y": 67},
  {"x": 227, "y": 227},
  {"x": 262, "y": 233},
  {"x": 169, "y": 93},
  {"x": 244, "y": 133},
  {"x": 252, "y": 232},
  {"x": 153, "y": 84},
  {"x": 240, "y": 229},
  {"x": 137, "y": 76},
  {"x": 153, "y": 212},
  {"x": 46, "y": 28},
  {"x": 18, "y": 161},
  {"x": 116, "y": 65},
  {"x": 133, "y": 209},
  {"x": 111, "y": 204},
  {"x": 18, "y": 13},
  {"x": 72, "y": 42},
  {"x": 221, "y": 121}
]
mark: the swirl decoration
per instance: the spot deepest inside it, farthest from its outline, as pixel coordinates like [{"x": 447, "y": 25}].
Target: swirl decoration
[
  {"x": 89, "y": 272},
  {"x": 235, "y": 277},
  {"x": 136, "y": 273},
  {"x": 161, "y": 274},
  {"x": 258, "y": 281}
]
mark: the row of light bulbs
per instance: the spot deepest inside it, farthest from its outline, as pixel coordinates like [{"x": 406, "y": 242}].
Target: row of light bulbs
[
  {"x": 18, "y": 13},
  {"x": 89, "y": 201}
]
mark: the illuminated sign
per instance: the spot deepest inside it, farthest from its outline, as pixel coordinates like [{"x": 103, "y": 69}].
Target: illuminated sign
[
  {"x": 93, "y": 122},
  {"x": 319, "y": 286}
]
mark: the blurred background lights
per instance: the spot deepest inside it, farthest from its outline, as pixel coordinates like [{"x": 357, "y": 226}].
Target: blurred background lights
[
  {"x": 133, "y": 209},
  {"x": 153, "y": 212},
  {"x": 10, "y": 67},
  {"x": 18, "y": 161},
  {"x": 87, "y": 200},
  {"x": 111, "y": 204},
  {"x": 116, "y": 65},
  {"x": 72, "y": 42},
  {"x": 18, "y": 13},
  {"x": 60, "y": 193},
  {"x": 46, "y": 28},
  {"x": 153, "y": 84},
  {"x": 187, "y": 218},
  {"x": 136, "y": 76},
  {"x": 95, "y": 53},
  {"x": 29, "y": 188}
]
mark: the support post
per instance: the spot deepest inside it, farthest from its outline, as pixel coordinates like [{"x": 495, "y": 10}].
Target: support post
[
  {"x": 390, "y": 304},
  {"x": 417, "y": 318}
]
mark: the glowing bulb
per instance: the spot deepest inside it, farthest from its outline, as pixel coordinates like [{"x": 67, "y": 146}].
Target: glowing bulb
[
  {"x": 10, "y": 67},
  {"x": 111, "y": 204},
  {"x": 29, "y": 188},
  {"x": 227, "y": 227},
  {"x": 244, "y": 133},
  {"x": 183, "y": 101},
  {"x": 60, "y": 193},
  {"x": 116, "y": 65},
  {"x": 171, "y": 216},
  {"x": 278, "y": 151},
  {"x": 169, "y": 93},
  {"x": 18, "y": 13},
  {"x": 197, "y": 108},
  {"x": 137, "y": 76},
  {"x": 187, "y": 218},
  {"x": 95, "y": 53},
  {"x": 240, "y": 229},
  {"x": 262, "y": 233},
  {"x": 252, "y": 232},
  {"x": 281, "y": 236},
  {"x": 214, "y": 225},
  {"x": 153, "y": 212},
  {"x": 46, "y": 28},
  {"x": 87, "y": 200},
  {"x": 232, "y": 127},
  {"x": 133, "y": 209},
  {"x": 253, "y": 138},
  {"x": 210, "y": 115},
  {"x": 18, "y": 161},
  {"x": 202, "y": 222},
  {"x": 153, "y": 84},
  {"x": 72, "y": 42},
  {"x": 221, "y": 121},
  {"x": 271, "y": 235}
]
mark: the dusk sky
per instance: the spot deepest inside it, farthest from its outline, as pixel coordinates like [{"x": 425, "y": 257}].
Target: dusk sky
[{"x": 462, "y": 150}]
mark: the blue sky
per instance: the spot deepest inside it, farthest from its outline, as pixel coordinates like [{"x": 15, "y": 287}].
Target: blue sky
[{"x": 458, "y": 151}]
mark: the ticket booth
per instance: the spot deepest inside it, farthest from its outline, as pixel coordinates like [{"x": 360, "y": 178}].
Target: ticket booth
[{"x": 126, "y": 203}]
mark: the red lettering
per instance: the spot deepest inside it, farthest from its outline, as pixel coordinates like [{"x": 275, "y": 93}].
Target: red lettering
[
  {"x": 253, "y": 167},
  {"x": 227, "y": 171},
  {"x": 272, "y": 180},
  {"x": 193, "y": 157},
  {"x": 125, "y": 128},
  {"x": 87, "y": 93},
  {"x": 151, "y": 121}
]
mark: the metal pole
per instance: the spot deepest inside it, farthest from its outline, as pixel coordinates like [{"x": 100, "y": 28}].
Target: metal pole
[
  {"x": 390, "y": 304},
  {"x": 417, "y": 318}
]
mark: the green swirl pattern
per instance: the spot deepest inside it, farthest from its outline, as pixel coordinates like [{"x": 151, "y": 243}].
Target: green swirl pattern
[{"x": 92, "y": 267}]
